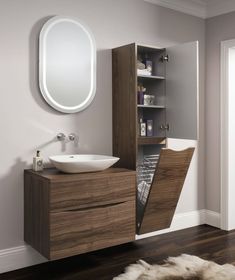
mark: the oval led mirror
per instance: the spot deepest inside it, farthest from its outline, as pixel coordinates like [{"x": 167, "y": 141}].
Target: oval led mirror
[{"x": 67, "y": 64}]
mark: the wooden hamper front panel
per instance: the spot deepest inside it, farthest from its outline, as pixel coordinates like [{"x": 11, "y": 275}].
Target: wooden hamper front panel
[
  {"x": 80, "y": 231},
  {"x": 165, "y": 191}
]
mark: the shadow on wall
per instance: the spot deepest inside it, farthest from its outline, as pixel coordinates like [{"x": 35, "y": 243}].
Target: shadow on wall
[
  {"x": 12, "y": 191},
  {"x": 34, "y": 65}
]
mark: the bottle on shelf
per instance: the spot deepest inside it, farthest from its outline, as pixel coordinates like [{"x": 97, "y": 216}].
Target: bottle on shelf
[
  {"x": 140, "y": 91},
  {"x": 149, "y": 128},
  {"x": 142, "y": 128}
]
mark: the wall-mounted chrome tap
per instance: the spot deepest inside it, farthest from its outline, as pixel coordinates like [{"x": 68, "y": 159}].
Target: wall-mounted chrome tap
[{"x": 60, "y": 136}]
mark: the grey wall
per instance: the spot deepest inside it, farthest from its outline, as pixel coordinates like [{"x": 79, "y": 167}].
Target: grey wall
[
  {"x": 218, "y": 29},
  {"x": 27, "y": 123}
]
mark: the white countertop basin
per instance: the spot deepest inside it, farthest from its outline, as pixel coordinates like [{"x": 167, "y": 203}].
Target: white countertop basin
[{"x": 79, "y": 163}]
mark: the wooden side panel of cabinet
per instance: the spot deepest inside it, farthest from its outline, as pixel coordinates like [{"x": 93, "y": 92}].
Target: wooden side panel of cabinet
[
  {"x": 165, "y": 191},
  {"x": 124, "y": 105},
  {"x": 36, "y": 213}
]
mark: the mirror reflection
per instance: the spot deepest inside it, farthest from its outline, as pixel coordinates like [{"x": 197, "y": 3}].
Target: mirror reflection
[{"x": 67, "y": 64}]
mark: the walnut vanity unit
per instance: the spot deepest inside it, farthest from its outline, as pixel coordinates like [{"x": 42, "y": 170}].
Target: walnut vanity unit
[{"x": 70, "y": 214}]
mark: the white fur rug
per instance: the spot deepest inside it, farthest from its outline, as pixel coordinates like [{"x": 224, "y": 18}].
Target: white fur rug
[{"x": 184, "y": 267}]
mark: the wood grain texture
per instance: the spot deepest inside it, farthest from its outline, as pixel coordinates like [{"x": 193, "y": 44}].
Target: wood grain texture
[
  {"x": 91, "y": 192},
  {"x": 54, "y": 175},
  {"x": 36, "y": 213},
  {"x": 147, "y": 140},
  {"x": 76, "y": 232},
  {"x": 67, "y": 215},
  {"x": 165, "y": 190},
  {"x": 124, "y": 83}
]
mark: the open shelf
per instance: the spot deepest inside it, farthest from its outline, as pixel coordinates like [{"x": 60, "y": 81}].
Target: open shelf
[
  {"x": 151, "y": 77},
  {"x": 151, "y": 106},
  {"x": 147, "y": 140}
]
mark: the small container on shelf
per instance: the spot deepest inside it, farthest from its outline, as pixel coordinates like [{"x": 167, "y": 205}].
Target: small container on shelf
[
  {"x": 142, "y": 128},
  {"x": 149, "y": 99},
  {"x": 149, "y": 129}
]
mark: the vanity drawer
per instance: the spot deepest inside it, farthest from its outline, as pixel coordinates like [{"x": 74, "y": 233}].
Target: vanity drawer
[
  {"x": 91, "y": 192},
  {"x": 80, "y": 231}
]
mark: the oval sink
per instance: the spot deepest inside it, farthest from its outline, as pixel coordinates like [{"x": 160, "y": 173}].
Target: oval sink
[{"x": 82, "y": 163}]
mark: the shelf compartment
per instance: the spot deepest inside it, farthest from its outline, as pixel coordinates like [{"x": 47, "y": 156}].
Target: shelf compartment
[
  {"x": 155, "y": 55},
  {"x": 151, "y": 77},
  {"x": 147, "y": 140},
  {"x": 151, "y": 106}
]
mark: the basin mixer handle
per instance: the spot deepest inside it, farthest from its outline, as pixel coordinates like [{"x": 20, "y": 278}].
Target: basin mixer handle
[{"x": 72, "y": 136}]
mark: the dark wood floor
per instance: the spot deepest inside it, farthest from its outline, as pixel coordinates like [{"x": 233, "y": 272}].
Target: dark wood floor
[{"x": 204, "y": 241}]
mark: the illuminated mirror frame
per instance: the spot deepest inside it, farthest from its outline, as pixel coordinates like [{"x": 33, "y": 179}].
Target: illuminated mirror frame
[{"x": 42, "y": 65}]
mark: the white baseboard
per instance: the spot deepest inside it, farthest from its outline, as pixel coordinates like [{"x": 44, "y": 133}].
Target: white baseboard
[
  {"x": 187, "y": 220},
  {"x": 180, "y": 221},
  {"x": 23, "y": 256},
  {"x": 19, "y": 257},
  {"x": 212, "y": 218}
]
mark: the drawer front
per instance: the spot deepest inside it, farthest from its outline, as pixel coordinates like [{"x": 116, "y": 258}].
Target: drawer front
[
  {"x": 91, "y": 192},
  {"x": 80, "y": 231}
]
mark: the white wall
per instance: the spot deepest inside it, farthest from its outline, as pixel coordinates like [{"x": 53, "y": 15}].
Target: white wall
[
  {"x": 190, "y": 188},
  {"x": 27, "y": 123},
  {"x": 218, "y": 29}
]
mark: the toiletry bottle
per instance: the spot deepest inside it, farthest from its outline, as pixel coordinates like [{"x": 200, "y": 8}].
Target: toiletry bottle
[
  {"x": 148, "y": 64},
  {"x": 149, "y": 128},
  {"x": 38, "y": 162},
  {"x": 140, "y": 95},
  {"x": 142, "y": 128}
]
